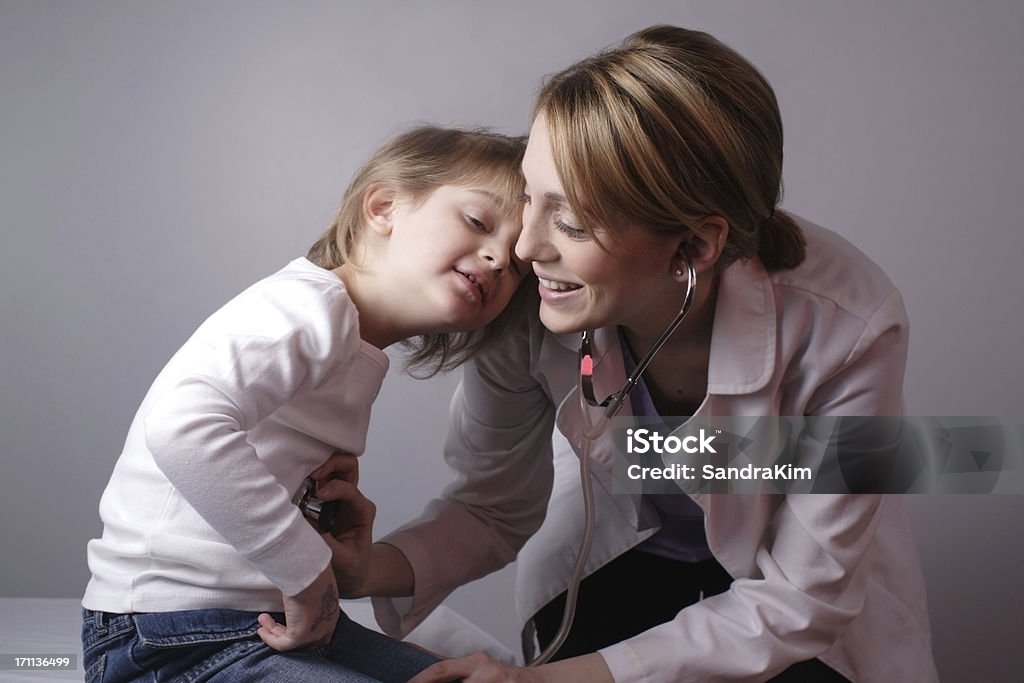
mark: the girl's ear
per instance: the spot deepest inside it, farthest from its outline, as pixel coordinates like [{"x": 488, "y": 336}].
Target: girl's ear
[
  {"x": 703, "y": 244},
  {"x": 379, "y": 205}
]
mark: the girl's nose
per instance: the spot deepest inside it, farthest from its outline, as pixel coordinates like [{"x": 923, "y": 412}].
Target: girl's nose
[{"x": 496, "y": 253}]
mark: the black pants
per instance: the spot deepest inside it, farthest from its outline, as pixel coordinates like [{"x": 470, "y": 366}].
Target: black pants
[{"x": 637, "y": 591}]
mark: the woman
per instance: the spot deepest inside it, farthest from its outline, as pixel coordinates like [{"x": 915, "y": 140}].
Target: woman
[{"x": 643, "y": 160}]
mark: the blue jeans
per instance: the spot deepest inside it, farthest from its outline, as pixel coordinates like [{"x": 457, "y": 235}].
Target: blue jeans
[{"x": 222, "y": 645}]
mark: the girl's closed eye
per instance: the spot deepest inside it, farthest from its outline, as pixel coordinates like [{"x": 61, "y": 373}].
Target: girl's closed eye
[{"x": 477, "y": 223}]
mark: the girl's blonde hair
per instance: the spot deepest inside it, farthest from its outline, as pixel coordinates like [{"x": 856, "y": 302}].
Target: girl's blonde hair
[
  {"x": 667, "y": 128},
  {"x": 413, "y": 165}
]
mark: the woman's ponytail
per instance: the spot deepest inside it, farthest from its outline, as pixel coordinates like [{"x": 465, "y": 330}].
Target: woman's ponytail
[{"x": 781, "y": 243}]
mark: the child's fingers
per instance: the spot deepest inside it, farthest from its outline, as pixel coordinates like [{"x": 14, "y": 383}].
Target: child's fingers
[
  {"x": 275, "y": 635},
  {"x": 268, "y": 622},
  {"x": 340, "y": 465},
  {"x": 281, "y": 638}
]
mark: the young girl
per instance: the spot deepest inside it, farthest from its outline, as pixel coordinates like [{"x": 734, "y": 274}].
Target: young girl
[{"x": 202, "y": 549}]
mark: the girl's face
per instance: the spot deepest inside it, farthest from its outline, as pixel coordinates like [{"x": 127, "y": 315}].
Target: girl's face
[
  {"x": 582, "y": 286},
  {"x": 450, "y": 258}
]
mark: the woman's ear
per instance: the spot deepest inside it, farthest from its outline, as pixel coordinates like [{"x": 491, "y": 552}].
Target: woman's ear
[
  {"x": 703, "y": 244},
  {"x": 379, "y": 205}
]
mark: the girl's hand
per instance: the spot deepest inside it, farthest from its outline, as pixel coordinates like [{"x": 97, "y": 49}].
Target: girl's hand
[
  {"x": 310, "y": 616},
  {"x": 478, "y": 668}
]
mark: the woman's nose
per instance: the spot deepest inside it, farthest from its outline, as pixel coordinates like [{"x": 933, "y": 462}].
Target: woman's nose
[{"x": 532, "y": 240}]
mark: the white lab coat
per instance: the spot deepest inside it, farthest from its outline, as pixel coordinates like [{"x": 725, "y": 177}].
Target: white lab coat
[{"x": 829, "y": 576}]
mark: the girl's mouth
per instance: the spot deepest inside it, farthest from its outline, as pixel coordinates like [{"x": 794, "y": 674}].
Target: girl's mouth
[{"x": 476, "y": 285}]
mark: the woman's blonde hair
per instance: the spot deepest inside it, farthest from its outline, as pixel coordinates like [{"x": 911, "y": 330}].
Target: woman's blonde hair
[
  {"x": 667, "y": 128},
  {"x": 413, "y": 165}
]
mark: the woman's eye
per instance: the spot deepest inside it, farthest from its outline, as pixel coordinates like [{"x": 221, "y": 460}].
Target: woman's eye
[
  {"x": 477, "y": 223},
  {"x": 523, "y": 198},
  {"x": 571, "y": 232}
]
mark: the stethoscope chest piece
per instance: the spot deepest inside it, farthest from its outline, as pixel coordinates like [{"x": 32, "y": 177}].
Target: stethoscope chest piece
[{"x": 321, "y": 513}]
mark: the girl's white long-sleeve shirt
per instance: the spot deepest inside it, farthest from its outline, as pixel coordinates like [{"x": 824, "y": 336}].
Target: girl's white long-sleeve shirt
[{"x": 198, "y": 511}]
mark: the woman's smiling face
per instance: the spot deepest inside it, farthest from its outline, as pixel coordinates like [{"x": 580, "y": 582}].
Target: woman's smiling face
[{"x": 626, "y": 280}]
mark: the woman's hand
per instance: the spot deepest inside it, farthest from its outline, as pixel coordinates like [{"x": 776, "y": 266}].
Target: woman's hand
[
  {"x": 310, "y": 616},
  {"x": 353, "y": 553},
  {"x": 350, "y": 541},
  {"x": 352, "y": 536},
  {"x": 478, "y": 668},
  {"x": 340, "y": 465}
]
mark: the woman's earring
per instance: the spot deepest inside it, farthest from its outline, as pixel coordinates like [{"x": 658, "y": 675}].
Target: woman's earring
[{"x": 679, "y": 272}]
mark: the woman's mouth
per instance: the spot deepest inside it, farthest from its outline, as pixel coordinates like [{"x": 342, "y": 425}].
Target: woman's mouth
[
  {"x": 558, "y": 285},
  {"x": 557, "y": 291}
]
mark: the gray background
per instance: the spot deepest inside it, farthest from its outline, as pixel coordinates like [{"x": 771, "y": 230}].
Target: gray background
[{"x": 157, "y": 157}]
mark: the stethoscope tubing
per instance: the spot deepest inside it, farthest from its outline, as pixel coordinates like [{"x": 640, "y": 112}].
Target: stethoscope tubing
[
  {"x": 591, "y": 431},
  {"x": 613, "y": 402}
]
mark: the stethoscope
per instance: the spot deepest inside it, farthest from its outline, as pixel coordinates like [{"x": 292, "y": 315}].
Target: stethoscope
[{"x": 593, "y": 430}]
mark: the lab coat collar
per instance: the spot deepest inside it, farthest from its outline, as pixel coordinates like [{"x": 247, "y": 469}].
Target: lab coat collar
[
  {"x": 743, "y": 337},
  {"x": 742, "y": 340}
]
